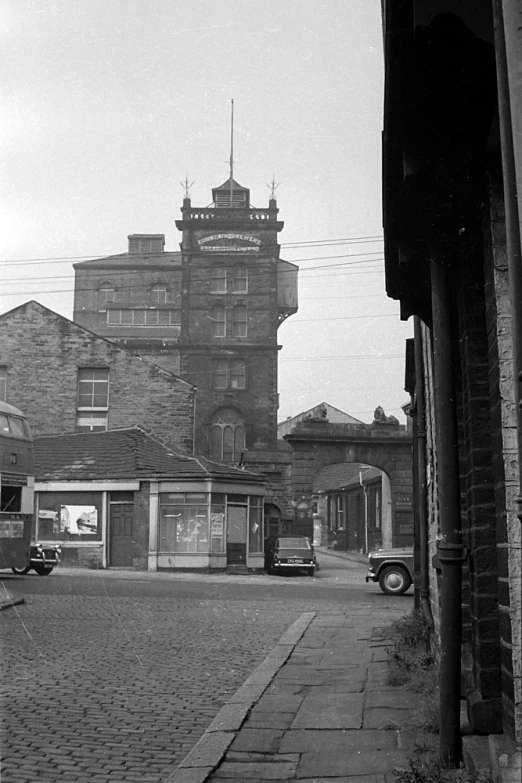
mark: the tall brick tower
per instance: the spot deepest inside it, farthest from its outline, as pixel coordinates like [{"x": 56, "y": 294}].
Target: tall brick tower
[{"x": 236, "y": 292}]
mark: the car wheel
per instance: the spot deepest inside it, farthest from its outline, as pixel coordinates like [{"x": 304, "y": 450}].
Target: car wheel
[
  {"x": 394, "y": 580},
  {"x": 42, "y": 570},
  {"x": 20, "y": 571}
]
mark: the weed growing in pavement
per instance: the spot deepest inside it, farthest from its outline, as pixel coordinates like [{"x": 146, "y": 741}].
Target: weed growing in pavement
[
  {"x": 424, "y": 766},
  {"x": 412, "y": 666}
]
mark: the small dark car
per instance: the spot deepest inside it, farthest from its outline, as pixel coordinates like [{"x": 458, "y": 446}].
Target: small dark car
[
  {"x": 43, "y": 559},
  {"x": 392, "y": 569},
  {"x": 290, "y": 553}
]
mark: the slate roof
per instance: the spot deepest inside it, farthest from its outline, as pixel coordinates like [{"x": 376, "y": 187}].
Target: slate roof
[{"x": 123, "y": 454}]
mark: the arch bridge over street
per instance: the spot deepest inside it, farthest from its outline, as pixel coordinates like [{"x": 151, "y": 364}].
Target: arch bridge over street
[{"x": 386, "y": 445}]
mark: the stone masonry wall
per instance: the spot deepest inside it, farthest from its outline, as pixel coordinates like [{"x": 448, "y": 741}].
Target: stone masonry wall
[{"x": 43, "y": 351}]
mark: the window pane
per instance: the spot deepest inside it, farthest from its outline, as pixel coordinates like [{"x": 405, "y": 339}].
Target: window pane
[
  {"x": 219, "y": 373},
  {"x": 255, "y": 528},
  {"x": 239, "y": 441},
  {"x": 216, "y": 440},
  {"x": 228, "y": 444},
  {"x": 126, "y": 317},
  {"x": 158, "y": 294},
  {"x": 217, "y": 527},
  {"x": 151, "y": 317},
  {"x": 218, "y": 322},
  {"x": 219, "y": 280},
  {"x": 138, "y": 317},
  {"x": 238, "y": 374},
  {"x": 240, "y": 280},
  {"x": 113, "y": 316},
  {"x": 239, "y": 321}
]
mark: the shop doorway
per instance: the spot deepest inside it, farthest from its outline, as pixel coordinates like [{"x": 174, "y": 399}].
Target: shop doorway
[
  {"x": 121, "y": 544},
  {"x": 236, "y": 535}
]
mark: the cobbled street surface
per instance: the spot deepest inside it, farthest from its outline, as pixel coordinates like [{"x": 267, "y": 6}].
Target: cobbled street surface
[{"x": 115, "y": 677}]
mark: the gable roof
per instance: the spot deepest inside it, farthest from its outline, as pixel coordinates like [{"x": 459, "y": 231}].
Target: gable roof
[
  {"x": 333, "y": 414},
  {"x": 47, "y": 312},
  {"x": 123, "y": 454}
]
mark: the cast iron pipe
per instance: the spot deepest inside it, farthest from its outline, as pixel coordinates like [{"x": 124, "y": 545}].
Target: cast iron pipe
[
  {"x": 420, "y": 479},
  {"x": 450, "y": 544}
]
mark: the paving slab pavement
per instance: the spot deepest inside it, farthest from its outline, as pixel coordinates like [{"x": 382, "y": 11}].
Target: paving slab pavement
[{"x": 319, "y": 709}]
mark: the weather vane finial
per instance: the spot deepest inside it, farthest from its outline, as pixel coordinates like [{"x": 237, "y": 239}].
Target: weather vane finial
[
  {"x": 186, "y": 186},
  {"x": 273, "y": 187}
]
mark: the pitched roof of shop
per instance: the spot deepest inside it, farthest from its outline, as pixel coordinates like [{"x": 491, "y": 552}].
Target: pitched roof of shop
[
  {"x": 168, "y": 258},
  {"x": 123, "y": 454}
]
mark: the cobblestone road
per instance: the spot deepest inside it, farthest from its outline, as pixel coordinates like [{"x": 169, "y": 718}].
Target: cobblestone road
[{"x": 119, "y": 688}]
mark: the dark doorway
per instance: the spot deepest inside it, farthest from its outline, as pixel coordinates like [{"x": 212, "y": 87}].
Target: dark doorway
[
  {"x": 121, "y": 544},
  {"x": 237, "y": 535}
]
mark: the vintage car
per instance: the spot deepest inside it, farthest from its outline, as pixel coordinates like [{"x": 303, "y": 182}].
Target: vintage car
[
  {"x": 290, "y": 553},
  {"x": 392, "y": 569},
  {"x": 43, "y": 559}
]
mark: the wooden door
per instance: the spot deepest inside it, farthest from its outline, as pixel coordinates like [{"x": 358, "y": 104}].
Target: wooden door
[
  {"x": 121, "y": 544},
  {"x": 236, "y": 535}
]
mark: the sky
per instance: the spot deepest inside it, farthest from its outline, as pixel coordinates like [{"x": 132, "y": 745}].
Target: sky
[{"x": 110, "y": 105}]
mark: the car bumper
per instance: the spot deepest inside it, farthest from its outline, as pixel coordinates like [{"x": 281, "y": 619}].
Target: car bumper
[
  {"x": 370, "y": 577},
  {"x": 295, "y": 565}
]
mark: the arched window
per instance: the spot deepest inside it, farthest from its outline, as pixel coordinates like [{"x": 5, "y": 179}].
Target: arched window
[
  {"x": 158, "y": 293},
  {"x": 239, "y": 321},
  {"x": 106, "y": 293},
  {"x": 227, "y": 435},
  {"x": 217, "y": 316}
]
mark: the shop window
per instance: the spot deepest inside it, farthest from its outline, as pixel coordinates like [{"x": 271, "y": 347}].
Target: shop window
[
  {"x": 239, "y": 321},
  {"x": 218, "y": 321},
  {"x": 184, "y": 522},
  {"x": 227, "y": 435},
  {"x": 69, "y": 516},
  {"x": 255, "y": 524},
  {"x": 158, "y": 294},
  {"x": 239, "y": 279}
]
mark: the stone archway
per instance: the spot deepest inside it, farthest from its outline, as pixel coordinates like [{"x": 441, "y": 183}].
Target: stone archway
[{"x": 388, "y": 446}]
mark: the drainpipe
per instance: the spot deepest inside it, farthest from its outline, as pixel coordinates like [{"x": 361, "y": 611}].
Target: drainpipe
[
  {"x": 425, "y": 604},
  {"x": 450, "y": 545},
  {"x": 513, "y": 240}
]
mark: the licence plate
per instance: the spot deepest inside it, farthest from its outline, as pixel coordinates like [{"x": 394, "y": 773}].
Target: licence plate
[{"x": 296, "y": 560}]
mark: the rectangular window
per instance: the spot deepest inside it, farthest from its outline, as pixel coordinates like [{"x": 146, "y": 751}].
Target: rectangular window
[
  {"x": 239, "y": 280},
  {"x": 3, "y": 382},
  {"x": 218, "y": 280},
  {"x": 239, "y": 321},
  {"x": 228, "y": 373},
  {"x": 255, "y": 524},
  {"x": 219, "y": 373},
  {"x": 91, "y": 422},
  {"x": 237, "y": 373},
  {"x": 219, "y": 328},
  {"x": 69, "y": 516},
  {"x": 93, "y": 388},
  {"x": 105, "y": 295},
  {"x": 143, "y": 317},
  {"x": 184, "y": 523}
]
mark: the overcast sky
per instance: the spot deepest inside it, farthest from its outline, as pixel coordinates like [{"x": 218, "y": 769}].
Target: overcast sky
[{"x": 110, "y": 104}]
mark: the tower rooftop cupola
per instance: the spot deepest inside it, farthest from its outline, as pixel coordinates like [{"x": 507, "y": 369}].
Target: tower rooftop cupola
[{"x": 231, "y": 194}]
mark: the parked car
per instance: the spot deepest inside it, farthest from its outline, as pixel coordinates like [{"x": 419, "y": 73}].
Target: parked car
[
  {"x": 392, "y": 569},
  {"x": 42, "y": 559},
  {"x": 290, "y": 553}
]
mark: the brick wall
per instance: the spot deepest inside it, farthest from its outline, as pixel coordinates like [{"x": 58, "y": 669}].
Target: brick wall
[{"x": 43, "y": 351}]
